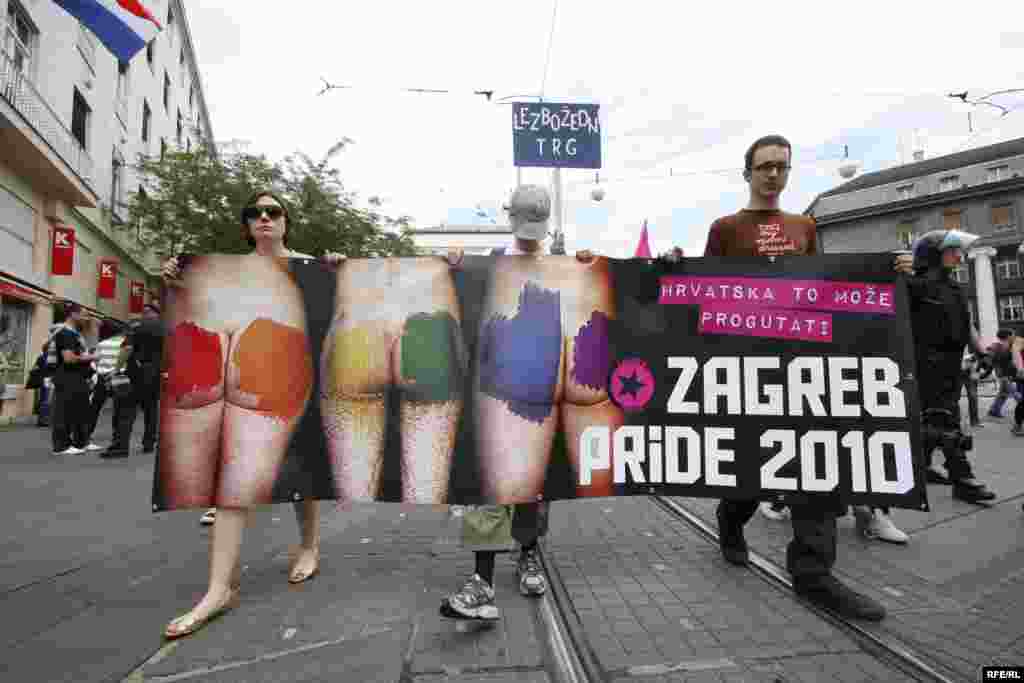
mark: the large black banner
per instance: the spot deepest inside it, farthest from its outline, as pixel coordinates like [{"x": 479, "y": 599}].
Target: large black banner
[{"x": 519, "y": 378}]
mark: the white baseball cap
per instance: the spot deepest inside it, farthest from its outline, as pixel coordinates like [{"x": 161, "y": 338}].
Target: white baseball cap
[{"x": 528, "y": 211}]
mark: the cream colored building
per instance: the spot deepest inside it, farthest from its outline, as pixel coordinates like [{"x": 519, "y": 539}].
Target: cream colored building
[{"x": 72, "y": 121}]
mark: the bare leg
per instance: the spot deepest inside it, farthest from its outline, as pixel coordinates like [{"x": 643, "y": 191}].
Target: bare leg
[
  {"x": 428, "y": 442},
  {"x": 307, "y": 556},
  {"x": 575, "y": 420},
  {"x": 225, "y": 571}
]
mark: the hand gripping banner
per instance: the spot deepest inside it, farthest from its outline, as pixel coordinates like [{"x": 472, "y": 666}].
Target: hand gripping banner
[{"x": 515, "y": 379}]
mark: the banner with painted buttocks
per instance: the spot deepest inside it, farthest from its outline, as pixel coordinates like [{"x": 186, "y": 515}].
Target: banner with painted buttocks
[
  {"x": 556, "y": 135},
  {"x": 514, "y": 378}
]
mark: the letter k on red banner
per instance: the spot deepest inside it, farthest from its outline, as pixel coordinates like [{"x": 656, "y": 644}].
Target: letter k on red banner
[{"x": 63, "y": 250}]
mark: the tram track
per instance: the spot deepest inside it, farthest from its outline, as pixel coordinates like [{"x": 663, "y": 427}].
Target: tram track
[{"x": 575, "y": 661}]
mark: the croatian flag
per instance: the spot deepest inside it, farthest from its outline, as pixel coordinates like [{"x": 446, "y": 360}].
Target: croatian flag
[{"x": 123, "y": 26}]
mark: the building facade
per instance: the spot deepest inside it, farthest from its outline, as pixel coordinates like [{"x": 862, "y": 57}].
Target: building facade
[
  {"x": 980, "y": 191},
  {"x": 72, "y": 124}
]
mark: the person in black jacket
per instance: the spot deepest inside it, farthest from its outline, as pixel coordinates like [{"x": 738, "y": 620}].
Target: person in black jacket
[{"x": 942, "y": 327}]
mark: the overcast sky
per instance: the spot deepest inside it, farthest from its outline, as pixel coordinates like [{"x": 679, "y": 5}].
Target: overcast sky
[{"x": 680, "y": 89}]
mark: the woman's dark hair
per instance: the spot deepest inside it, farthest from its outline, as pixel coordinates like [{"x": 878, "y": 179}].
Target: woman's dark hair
[{"x": 246, "y": 234}]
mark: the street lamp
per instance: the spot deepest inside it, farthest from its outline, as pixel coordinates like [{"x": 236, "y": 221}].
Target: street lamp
[{"x": 967, "y": 106}]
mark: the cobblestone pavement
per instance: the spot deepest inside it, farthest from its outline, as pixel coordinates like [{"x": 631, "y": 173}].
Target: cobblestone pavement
[
  {"x": 657, "y": 602},
  {"x": 89, "y": 576},
  {"x": 955, "y": 593}
]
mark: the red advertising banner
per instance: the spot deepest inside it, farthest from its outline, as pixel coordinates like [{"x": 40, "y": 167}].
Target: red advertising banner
[
  {"x": 108, "y": 279},
  {"x": 138, "y": 297},
  {"x": 63, "y": 250}
]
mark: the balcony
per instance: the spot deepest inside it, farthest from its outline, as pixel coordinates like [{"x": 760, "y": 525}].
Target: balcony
[{"x": 37, "y": 144}]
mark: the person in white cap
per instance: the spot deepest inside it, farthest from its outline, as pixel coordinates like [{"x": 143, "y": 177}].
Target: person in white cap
[{"x": 514, "y": 440}]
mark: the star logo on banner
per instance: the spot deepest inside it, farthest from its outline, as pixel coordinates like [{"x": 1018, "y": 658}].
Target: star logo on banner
[{"x": 632, "y": 384}]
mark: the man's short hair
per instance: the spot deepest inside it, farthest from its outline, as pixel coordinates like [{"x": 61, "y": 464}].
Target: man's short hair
[
  {"x": 152, "y": 307},
  {"x": 766, "y": 141}
]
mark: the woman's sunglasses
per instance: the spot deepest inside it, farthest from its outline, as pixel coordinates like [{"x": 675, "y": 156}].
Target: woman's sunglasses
[{"x": 252, "y": 213}]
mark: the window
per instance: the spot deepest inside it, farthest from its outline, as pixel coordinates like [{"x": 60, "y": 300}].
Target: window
[
  {"x": 907, "y": 232},
  {"x": 951, "y": 219},
  {"x": 1011, "y": 308},
  {"x": 163, "y": 148},
  {"x": 179, "y": 128},
  {"x": 950, "y": 182},
  {"x": 962, "y": 275},
  {"x": 188, "y": 144},
  {"x": 123, "y": 81},
  {"x": 151, "y": 53},
  {"x": 80, "y": 119},
  {"x": 167, "y": 90},
  {"x": 19, "y": 38},
  {"x": 191, "y": 95},
  {"x": 1008, "y": 270},
  {"x": 997, "y": 173},
  {"x": 181, "y": 67},
  {"x": 15, "y": 355},
  {"x": 1004, "y": 216},
  {"x": 146, "y": 116},
  {"x": 905, "y": 192},
  {"x": 116, "y": 184}
]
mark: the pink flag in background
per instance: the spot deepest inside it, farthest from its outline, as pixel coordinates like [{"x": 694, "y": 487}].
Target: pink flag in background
[{"x": 643, "y": 250}]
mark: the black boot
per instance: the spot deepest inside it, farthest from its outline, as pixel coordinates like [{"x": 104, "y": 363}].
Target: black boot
[
  {"x": 115, "y": 450},
  {"x": 830, "y": 593},
  {"x": 731, "y": 541},
  {"x": 971, "y": 491}
]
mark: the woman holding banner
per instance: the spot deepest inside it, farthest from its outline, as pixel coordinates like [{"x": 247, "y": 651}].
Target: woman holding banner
[{"x": 240, "y": 375}]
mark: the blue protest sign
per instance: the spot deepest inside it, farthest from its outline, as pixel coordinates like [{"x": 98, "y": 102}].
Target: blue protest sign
[{"x": 556, "y": 135}]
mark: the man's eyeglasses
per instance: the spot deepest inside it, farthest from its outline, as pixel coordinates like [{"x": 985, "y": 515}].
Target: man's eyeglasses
[
  {"x": 768, "y": 166},
  {"x": 253, "y": 213}
]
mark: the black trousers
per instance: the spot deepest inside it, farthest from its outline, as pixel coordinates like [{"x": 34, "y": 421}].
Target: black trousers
[
  {"x": 812, "y": 552},
  {"x": 529, "y": 522},
  {"x": 145, "y": 394},
  {"x": 99, "y": 398},
  {"x": 940, "y": 386},
  {"x": 70, "y": 414}
]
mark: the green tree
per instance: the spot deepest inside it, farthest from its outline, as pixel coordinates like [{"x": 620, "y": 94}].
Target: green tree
[{"x": 190, "y": 203}]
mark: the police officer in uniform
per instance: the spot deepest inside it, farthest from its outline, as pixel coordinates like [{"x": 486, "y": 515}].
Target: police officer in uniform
[
  {"x": 144, "y": 349},
  {"x": 942, "y": 326}
]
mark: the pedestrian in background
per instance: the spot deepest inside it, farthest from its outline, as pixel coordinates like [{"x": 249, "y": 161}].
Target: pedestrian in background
[
  {"x": 70, "y": 413},
  {"x": 111, "y": 337},
  {"x": 1002, "y": 360},
  {"x": 141, "y": 352}
]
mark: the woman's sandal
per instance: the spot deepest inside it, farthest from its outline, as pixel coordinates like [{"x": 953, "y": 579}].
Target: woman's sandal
[
  {"x": 295, "y": 576},
  {"x": 186, "y": 624}
]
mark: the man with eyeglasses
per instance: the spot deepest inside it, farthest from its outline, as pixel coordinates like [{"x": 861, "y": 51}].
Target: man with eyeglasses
[{"x": 763, "y": 229}]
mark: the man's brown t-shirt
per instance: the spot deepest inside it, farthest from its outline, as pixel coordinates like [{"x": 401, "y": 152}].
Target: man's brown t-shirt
[{"x": 762, "y": 233}]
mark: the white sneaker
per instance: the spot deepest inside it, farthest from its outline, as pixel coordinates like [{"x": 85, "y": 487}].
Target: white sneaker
[
  {"x": 878, "y": 525},
  {"x": 93, "y": 447},
  {"x": 209, "y": 517},
  {"x": 775, "y": 515},
  {"x": 70, "y": 450}
]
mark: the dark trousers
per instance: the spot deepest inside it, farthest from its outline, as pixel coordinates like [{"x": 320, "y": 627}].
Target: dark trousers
[
  {"x": 812, "y": 552},
  {"x": 144, "y": 395},
  {"x": 70, "y": 413},
  {"x": 972, "y": 401},
  {"x": 940, "y": 388},
  {"x": 99, "y": 398},
  {"x": 529, "y": 522}
]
